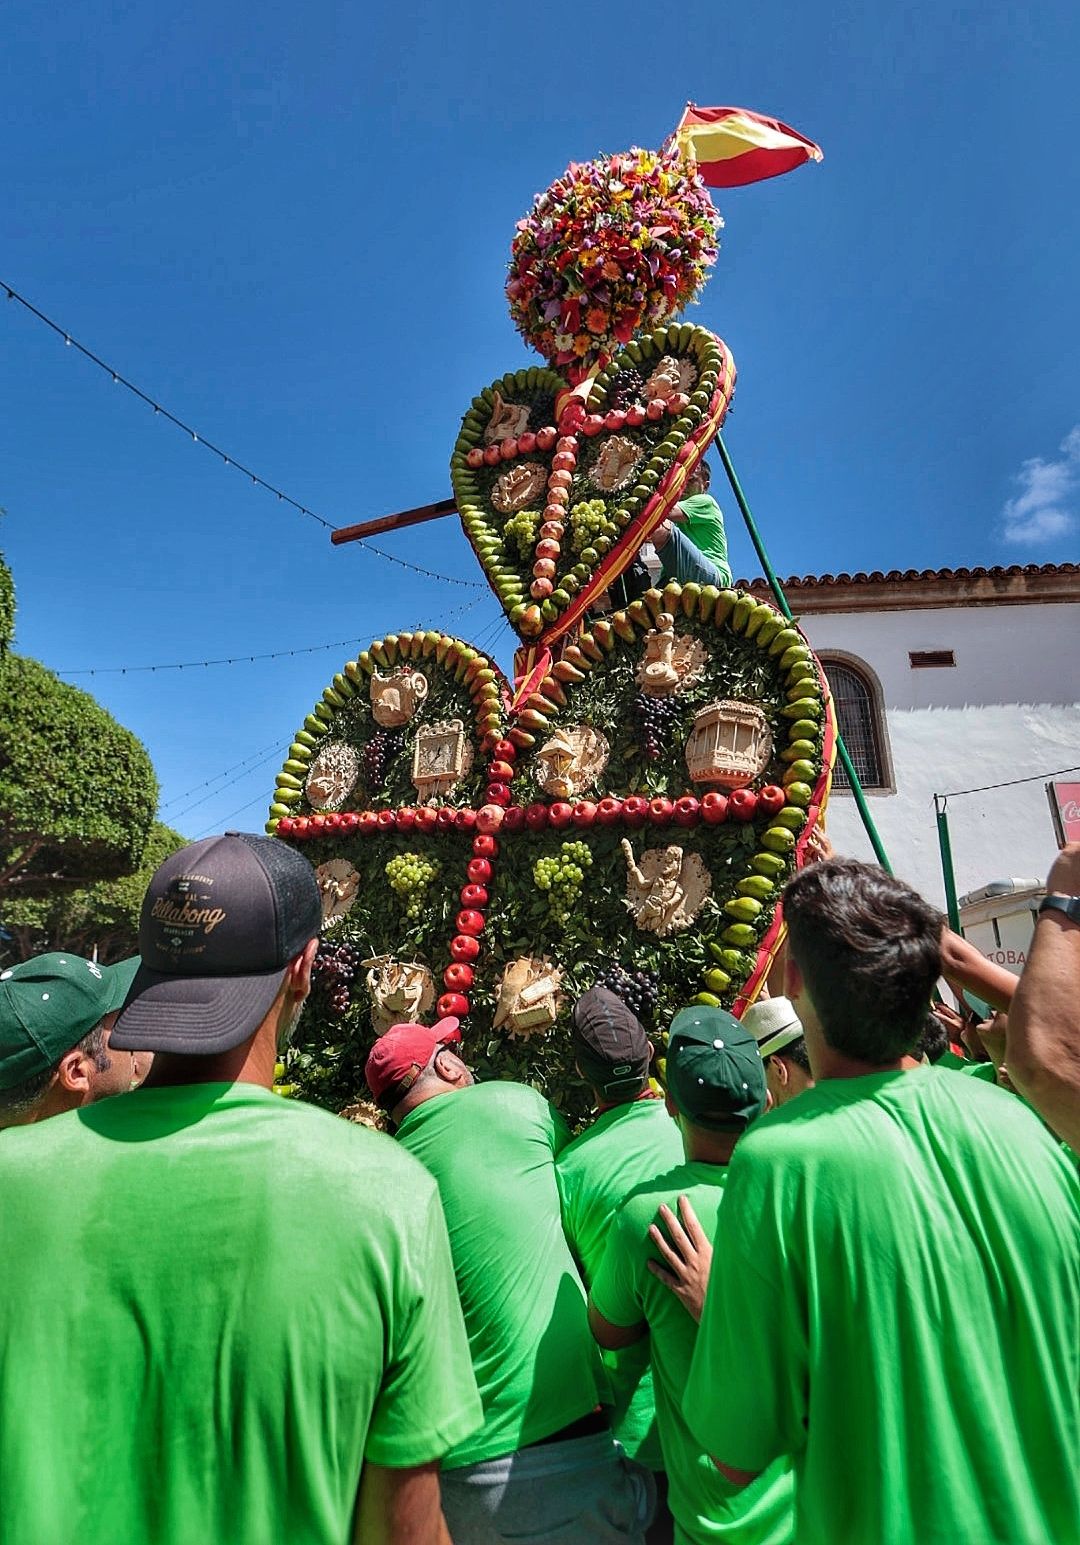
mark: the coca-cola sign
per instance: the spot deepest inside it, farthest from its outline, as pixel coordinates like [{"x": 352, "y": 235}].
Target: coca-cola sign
[{"x": 1065, "y": 808}]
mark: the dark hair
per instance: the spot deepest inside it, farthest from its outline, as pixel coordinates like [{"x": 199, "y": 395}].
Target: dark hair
[
  {"x": 933, "y": 1043},
  {"x": 23, "y": 1097},
  {"x": 869, "y": 950},
  {"x": 795, "y": 1052}
]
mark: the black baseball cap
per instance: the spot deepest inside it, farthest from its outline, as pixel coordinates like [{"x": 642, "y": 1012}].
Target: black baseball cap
[
  {"x": 221, "y": 920},
  {"x": 610, "y": 1045},
  {"x": 715, "y": 1074}
]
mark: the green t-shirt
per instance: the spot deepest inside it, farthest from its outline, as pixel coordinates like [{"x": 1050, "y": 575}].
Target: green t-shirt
[
  {"x": 704, "y": 525},
  {"x": 624, "y": 1146},
  {"x": 215, "y": 1305},
  {"x": 491, "y": 1148},
  {"x": 895, "y": 1301},
  {"x": 706, "y": 1507}
]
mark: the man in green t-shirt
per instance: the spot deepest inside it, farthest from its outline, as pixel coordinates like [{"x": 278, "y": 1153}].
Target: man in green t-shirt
[
  {"x": 716, "y": 1088},
  {"x": 775, "y": 1026},
  {"x": 632, "y": 1139},
  {"x": 57, "y": 1013},
  {"x": 225, "y": 1317},
  {"x": 544, "y": 1465},
  {"x": 895, "y": 1288},
  {"x": 691, "y": 543}
]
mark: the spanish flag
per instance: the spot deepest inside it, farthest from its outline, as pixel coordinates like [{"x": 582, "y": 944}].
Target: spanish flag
[{"x": 733, "y": 146}]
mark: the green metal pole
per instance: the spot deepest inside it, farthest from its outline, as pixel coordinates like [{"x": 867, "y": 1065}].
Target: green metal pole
[
  {"x": 782, "y": 602},
  {"x": 951, "y": 904}
]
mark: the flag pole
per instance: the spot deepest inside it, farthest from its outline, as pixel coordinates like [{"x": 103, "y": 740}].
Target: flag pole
[{"x": 782, "y": 602}]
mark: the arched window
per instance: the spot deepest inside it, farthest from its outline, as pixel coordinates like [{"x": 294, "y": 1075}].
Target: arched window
[{"x": 858, "y": 714}]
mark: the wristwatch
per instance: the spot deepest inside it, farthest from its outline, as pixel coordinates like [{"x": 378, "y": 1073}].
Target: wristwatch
[{"x": 1070, "y": 905}]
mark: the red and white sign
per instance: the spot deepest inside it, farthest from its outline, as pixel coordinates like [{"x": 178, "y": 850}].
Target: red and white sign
[{"x": 1065, "y": 807}]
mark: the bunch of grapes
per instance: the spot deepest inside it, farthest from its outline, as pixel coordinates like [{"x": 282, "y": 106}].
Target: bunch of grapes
[
  {"x": 637, "y": 989},
  {"x": 588, "y": 520},
  {"x": 379, "y": 752},
  {"x": 410, "y": 875},
  {"x": 626, "y": 389},
  {"x": 332, "y": 973},
  {"x": 522, "y": 529},
  {"x": 656, "y": 719},
  {"x": 561, "y": 878}
]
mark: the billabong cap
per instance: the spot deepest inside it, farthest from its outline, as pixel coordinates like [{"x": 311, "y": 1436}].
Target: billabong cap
[
  {"x": 610, "y": 1045},
  {"x": 48, "y": 1004},
  {"x": 715, "y": 1074},
  {"x": 398, "y": 1058},
  {"x": 773, "y": 1023},
  {"x": 221, "y": 920}
]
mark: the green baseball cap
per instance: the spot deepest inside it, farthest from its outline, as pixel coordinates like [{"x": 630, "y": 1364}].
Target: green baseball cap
[
  {"x": 715, "y": 1074},
  {"x": 49, "y": 1003}
]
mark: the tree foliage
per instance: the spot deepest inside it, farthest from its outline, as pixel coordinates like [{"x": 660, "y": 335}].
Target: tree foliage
[
  {"x": 7, "y": 607},
  {"x": 77, "y": 791},
  {"x": 102, "y": 917}
]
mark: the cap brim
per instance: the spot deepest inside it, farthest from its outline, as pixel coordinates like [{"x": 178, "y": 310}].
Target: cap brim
[
  {"x": 119, "y": 979},
  {"x": 191, "y": 1015},
  {"x": 776, "y": 1040}
]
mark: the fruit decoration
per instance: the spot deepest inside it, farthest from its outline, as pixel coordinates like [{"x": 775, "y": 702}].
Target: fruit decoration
[
  {"x": 560, "y": 878},
  {"x": 637, "y": 989},
  {"x": 410, "y": 875},
  {"x": 612, "y": 247}
]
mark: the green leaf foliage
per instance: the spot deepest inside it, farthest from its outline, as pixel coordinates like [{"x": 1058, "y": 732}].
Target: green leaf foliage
[
  {"x": 77, "y": 790},
  {"x": 7, "y": 607}
]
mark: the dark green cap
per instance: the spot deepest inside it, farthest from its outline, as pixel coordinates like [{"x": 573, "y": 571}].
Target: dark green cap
[
  {"x": 715, "y": 1074},
  {"x": 48, "y": 1004}
]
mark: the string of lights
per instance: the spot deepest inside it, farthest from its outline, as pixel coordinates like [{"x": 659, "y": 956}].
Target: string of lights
[
  {"x": 227, "y": 460},
  {"x": 227, "y": 772}
]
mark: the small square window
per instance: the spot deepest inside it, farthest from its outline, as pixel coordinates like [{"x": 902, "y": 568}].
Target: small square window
[{"x": 930, "y": 659}]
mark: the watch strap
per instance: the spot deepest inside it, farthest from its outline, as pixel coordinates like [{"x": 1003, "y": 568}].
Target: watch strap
[{"x": 1070, "y": 905}]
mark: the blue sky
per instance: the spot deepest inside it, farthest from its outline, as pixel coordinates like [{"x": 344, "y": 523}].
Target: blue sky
[{"x": 290, "y": 226}]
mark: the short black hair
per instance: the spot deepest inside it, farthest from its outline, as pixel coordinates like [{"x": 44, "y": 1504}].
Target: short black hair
[
  {"x": 933, "y": 1043},
  {"x": 794, "y": 1051},
  {"x": 869, "y": 950},
  {"x": 21, "y": 1098}
]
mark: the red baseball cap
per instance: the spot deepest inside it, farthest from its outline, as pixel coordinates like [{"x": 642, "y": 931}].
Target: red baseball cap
[{"x": 402, "y": 1054}]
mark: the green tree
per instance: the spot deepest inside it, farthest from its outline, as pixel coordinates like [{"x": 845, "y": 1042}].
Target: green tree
[
  {"x": 102, "y": 917},
  {"x": 7, "y": 606},
  {"x": 77, "y": 791}
]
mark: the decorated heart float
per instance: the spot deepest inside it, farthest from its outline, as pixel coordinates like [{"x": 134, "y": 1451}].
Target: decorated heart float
[{"x": 628, "y": 809}]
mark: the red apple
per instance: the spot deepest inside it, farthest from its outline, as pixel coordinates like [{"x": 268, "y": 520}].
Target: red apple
[
  {"x": 469, "y": 921},
  {"x": 540, "y": 589},
  {"x": 635, "y": 416},
  {"x": 464, "y": 947},
  {"x": 654, "y": 409},
  {"x": 489, "y": 818},
  {"x": 464, "y": 820},
  {"x": 714, "y": 808},
  {"x": 567, "y": 443},
  {"x": 500, "y": 772},
  {"x": 479, "y": 871},
  {"x": 609, "y": 810},
  {"x": 474, "y": 896},
  {"x": 573, "y": 416},
  {"x": 536, "y": 817},
  {"x": 687, "y": 811},
  {"x": 526, "y": 443},
  {"x": 426, "y": 819},
  {"x": 485, "y": 846},
  {"x": 548, "y": 547},
  {"x": 491, "y": 456},
  {"x": 406, "y": 818},
  {"x": 332, "y": 821},
  {"x": 560, "y": 814},
  {"x": 513, "y": 818},
  {"x": 498, "y": 794},
  {"x": 285, "y": 825},
  {"x": 660, "y": 810},
  {"x": 505, "y": 750},
  {"x": 350, "y": 820},
  {"x": 508, "y": 449},
  {"x": 546, "y": 437},
  {"x": 458, "y": 977},
  {"x": 583, "y": 813},
  {"x": 452, "y": 1005},
  {"x": 771, "y": 799},
  {"x": 564, "y": 461},
  {"x": 593, "y": 425},
  {"x": 319, "y": 821},
  {"x": 635, "y": 811},
  {"x": 553, "y": 516},
  {"x": 446, "y": 818},
  {"x": 614, "y": 419},
  {"x": 368, "y": 823},
  {"x": 475, "y": 458},
  {"x": 742, "y": 804},
  {"x": 677, "y": 403}
]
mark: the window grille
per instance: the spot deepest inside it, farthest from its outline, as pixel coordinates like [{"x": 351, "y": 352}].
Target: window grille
[{"x": 857, "y": 717}]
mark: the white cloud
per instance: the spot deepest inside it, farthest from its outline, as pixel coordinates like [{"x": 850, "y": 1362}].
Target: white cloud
[{"x": 1040, "y": 511}]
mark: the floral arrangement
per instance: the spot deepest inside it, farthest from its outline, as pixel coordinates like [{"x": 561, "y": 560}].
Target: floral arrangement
[{"x": 613, "y": 246}]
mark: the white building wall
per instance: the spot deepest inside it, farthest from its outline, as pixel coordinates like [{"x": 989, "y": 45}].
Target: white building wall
[{"x": 1010, "y": 708}]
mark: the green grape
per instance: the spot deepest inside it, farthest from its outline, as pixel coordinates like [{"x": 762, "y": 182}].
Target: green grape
[
  {"x": 522, "y": 529},
  {"x": 410, "y": 876},
  {"x": 588, "y": 520}
]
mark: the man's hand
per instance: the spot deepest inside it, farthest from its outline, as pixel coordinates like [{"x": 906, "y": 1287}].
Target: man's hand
[
  {"x": 1064, "y": 876},
  {"x": 818, "y": 848},
  {"x": 689, "y": 1262}
]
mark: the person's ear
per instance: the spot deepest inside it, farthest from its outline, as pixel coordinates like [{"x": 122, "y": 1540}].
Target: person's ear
[
  {"x": 672, "y": 1108},
  {"x": 770, "y": 1103},
  {"x": 73, "y": 1072},
  {"x": 450, "y": 1068},
  {"x": 783, "y": 1073},
  {"x": 793, "y": 978},
  {"x": 298, "y": 971}
]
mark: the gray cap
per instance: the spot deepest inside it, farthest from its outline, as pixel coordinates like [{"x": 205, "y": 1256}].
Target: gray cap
[{"x": 773, "y": 1023}]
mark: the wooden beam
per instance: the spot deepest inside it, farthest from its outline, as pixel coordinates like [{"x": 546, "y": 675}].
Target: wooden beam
[{"x": 393, "y": 522}]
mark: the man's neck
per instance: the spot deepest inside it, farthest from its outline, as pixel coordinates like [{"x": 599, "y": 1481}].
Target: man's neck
[
  {"x": 833, "y": 1064},
  {"x": 252, "y": 1062}
]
